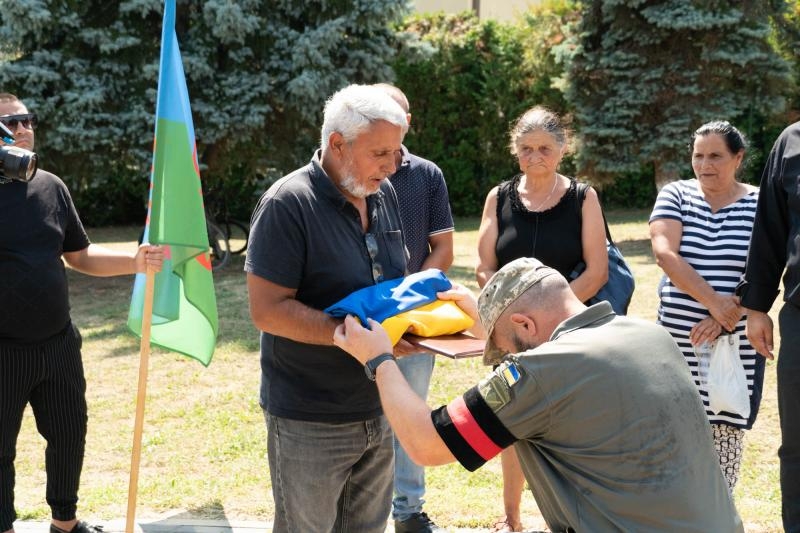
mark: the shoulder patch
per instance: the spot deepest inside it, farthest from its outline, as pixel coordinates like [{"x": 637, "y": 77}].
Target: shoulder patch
[
  {"x": 496, "y": 388},
  {"x": 511, "y": 374}
]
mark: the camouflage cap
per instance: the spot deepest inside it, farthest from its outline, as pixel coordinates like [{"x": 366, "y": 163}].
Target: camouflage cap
[{"x": 503, "y": 289}]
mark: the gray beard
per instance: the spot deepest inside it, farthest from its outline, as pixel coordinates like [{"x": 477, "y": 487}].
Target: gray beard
[{"x": 353, "y": 188}]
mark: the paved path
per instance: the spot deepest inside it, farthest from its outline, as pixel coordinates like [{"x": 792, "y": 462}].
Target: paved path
[
  {"x": 169, "y": 525},
  {"x": 181, "y": 525}
]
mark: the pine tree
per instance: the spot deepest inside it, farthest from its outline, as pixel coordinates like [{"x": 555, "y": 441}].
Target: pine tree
[
  {"x": 642, "y": 75},
  {"x": 258, "y": 75}
]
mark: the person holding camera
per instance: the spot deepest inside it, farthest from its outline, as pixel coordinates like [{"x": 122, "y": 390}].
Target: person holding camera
[{"x": 40, "y": 348}]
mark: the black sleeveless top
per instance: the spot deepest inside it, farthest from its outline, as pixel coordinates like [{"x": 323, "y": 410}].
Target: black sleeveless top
[{"x": 552, "y": 236}]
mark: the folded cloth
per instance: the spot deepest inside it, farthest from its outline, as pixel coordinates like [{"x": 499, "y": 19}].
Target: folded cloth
[
  {"x": 392, "y": 297},
  {"x": 442, "y": 317}
]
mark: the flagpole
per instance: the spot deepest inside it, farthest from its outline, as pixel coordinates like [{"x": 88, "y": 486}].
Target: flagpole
[{"x": 144, "y": 363}]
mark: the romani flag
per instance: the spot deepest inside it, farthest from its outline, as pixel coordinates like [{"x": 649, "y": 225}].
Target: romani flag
[{"x": 184, "y": 306}]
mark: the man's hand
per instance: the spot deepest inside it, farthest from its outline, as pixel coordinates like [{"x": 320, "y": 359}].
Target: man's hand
[
  {"x": 759, "y": 332},
  {"x": 464, "y": 299},
  {"x": 149, "y": 255},
  {"x": 360, "y": 342}
]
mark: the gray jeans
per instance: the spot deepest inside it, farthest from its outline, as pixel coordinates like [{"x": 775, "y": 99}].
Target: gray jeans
[
  {"x": 409, "y": 477},
  {"x": 330, "y": 477}
]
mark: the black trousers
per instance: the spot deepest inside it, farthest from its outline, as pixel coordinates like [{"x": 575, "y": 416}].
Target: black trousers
[
  {"x": 789, "y": 412},
  {"x": 50, "y": 377}
]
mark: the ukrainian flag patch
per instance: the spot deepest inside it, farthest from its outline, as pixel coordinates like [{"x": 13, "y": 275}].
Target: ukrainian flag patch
[
  {"x": 510, "y": 372},
  {"x": 496, "y": 388}
]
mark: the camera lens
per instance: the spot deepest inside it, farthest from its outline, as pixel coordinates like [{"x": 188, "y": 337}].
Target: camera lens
[{"x": 17, "y": 164}]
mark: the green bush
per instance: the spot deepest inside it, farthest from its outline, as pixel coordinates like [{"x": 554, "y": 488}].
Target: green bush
[
  {"x": 634, "y": 190},
  {"x": 467, "y": 80}
]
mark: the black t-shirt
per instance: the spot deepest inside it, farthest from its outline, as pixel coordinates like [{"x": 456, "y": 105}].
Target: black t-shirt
[
  {"x": 306, "y": 236},
  {"x": 38, "y": 223},
  {"x": 552, "y": 236}
]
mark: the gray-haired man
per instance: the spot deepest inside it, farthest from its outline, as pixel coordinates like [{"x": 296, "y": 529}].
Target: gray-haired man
[
  {"x": 608, "y": 426},
  {"x": 318, "y": 234}
]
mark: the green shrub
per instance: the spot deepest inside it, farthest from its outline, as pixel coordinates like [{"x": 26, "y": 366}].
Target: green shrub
[{"x": 467, "y": 80}]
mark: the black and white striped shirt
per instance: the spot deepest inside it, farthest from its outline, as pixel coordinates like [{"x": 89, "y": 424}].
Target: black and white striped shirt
[{"x": 715, "y": 245}]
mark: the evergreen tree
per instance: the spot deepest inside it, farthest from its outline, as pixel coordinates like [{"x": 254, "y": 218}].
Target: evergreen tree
[
  {"x": 258, "y": 75},
  {"x": 643, "y": 74}
]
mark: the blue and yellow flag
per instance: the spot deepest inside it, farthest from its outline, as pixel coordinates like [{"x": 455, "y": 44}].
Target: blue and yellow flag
[
  {"x": 406, "y": 304},
  {"x": 184, "y": 306}
]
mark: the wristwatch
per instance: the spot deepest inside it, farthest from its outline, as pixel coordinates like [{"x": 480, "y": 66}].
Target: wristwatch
[{"x": 372, "y": 365}]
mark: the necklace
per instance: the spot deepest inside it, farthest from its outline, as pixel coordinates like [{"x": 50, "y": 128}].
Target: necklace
[{"x": 538, "y": 207}]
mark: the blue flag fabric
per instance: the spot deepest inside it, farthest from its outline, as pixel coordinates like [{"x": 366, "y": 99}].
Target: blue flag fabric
[{"x": 392, "y": 297}]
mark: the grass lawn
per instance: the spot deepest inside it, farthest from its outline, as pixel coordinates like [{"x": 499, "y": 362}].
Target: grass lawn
[{"x": 204, "y": 442}]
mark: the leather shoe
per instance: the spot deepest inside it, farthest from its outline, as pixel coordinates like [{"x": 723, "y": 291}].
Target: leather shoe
[
  {"x": 417, "y": 523},
  {"x": 80, "y": 527}
]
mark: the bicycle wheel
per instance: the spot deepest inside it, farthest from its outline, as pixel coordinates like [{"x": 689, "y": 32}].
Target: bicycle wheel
[
  {"x": 237, "y": 233},
  {"x": 218, "y": 245}
]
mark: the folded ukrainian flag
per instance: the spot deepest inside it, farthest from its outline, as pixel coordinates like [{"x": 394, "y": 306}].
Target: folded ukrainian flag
[
  {"x": 406, "y": 304},
  {"x": 442, "y": 317}
]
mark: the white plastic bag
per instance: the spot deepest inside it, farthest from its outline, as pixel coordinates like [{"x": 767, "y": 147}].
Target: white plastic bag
[{"x": 727, "y": 382}]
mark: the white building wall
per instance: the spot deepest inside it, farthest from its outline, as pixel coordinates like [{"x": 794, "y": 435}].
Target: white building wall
[
  {"x": 497, "y": 9},
  {"x": 448, "y": 6}
]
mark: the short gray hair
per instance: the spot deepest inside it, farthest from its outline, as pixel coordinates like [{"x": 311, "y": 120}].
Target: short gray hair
[
  {"x": 353, "y": 109},
  {"x": 396, "y": 94},
  {"x": 538, "y": 119}
]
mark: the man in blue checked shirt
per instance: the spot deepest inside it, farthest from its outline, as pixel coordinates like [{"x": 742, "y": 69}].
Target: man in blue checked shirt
[{"x": 428, "y": 231}]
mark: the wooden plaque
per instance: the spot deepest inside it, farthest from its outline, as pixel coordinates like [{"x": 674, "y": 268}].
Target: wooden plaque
[{"x": 456, "y": 346}]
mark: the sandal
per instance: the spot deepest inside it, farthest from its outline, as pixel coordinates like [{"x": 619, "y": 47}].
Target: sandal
[{"x": 502, "y": 526}]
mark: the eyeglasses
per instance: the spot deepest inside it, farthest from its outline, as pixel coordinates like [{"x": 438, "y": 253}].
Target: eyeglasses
[
  {"x": 372, "y": 249},
  {"x": 29, "y": 121}
]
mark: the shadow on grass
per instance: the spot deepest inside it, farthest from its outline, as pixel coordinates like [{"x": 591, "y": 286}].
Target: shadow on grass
[
  {"x": 99, "y": 308},
  {"x": 107, "y": 332},
  {"x": 213, "y": 510},
  {"x": 627, "y": 216},
  {"x": 629, "y": 248},
  {"x": 635, "y": 247}
]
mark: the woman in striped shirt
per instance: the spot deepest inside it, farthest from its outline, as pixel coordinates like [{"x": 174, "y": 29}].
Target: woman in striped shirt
[{"x": 700, "y": 231}]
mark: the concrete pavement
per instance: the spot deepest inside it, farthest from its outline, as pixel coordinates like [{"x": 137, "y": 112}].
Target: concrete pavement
[
  {"x": 184, "y": 525},
  {"x": 169, "y": 525}
]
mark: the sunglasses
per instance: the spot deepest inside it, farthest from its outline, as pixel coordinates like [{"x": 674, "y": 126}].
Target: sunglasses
[
  {"x": 372, "y": 249},
  {"x": 29, "y": 121}
]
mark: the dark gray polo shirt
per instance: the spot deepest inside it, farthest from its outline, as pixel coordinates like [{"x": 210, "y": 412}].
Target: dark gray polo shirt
[{"x": 306, "y": 236}]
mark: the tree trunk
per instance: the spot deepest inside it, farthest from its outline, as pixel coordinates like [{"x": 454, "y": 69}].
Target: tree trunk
[{"x": 664, "y": 175}]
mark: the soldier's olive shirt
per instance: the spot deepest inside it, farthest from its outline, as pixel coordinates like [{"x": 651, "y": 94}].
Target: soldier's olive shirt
[{"x": 608, "y": 426}]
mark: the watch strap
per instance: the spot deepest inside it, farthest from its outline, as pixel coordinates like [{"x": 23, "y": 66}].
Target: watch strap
[{"x": 372, "y": 365}]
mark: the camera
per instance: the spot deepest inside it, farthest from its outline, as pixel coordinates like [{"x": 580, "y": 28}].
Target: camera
[{"x": 16, "y": 164}]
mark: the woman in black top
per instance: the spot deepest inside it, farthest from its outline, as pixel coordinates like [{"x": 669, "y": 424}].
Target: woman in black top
[{"x": 540, "y": 214}]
